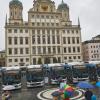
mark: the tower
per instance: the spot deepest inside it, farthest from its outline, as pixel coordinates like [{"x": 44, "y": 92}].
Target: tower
[
  {"x": 64, "y": 9},
  {"x": 15, "y": 12}
]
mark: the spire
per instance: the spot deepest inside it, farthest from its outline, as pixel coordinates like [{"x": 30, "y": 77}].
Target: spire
[
  {"x": 6, "y": 19},
  {"x": 78, "y": 21}
]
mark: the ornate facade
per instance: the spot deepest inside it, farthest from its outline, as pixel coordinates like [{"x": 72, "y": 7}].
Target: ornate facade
[{"x": 47, "y": 37}]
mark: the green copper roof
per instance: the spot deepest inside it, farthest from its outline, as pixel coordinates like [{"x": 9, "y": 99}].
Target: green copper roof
[
  {"x": 15, "y": 2},
  {"x": 63, "y": 6}
]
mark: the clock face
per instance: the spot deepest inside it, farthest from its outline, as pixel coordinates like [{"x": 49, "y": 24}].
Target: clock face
[{"x": 44, "y": 7}]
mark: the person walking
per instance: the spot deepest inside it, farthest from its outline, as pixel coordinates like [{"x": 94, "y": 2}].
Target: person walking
[
  {"x": 93, "y": 97},
  {"x": 88, "y": 94}
]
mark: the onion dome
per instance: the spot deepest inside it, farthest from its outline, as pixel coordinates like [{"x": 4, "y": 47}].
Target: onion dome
[
  {"x": 62, "y": 6},
  {"x": 15, "y": 2}
]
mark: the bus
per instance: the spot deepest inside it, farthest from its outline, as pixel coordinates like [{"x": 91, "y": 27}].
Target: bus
[
  {"x": 34, "y": 76},
  {"x": 79, "y": 71},
  {"x": 54, "y": 72},
  {"x": 11, "y": 76}
]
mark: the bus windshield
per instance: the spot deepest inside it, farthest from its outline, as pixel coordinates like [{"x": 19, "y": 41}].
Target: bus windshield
[
  {"x": 10, "y": 78},
  {"x": 34, "y": 76},
  {"x": 57, "y": 73}
]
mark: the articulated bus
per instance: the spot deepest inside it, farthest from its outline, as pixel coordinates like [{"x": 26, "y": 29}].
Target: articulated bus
[
  {"x": 34, "y": 76},
  {"x": 54, "y": 72},
  {"x": 79, "y": 70},
  {"x": 11, "y": 76}
]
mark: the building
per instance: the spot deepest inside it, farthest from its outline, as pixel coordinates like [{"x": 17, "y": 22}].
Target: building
[
  {"x": 47, "y": 37},
  {"x": 2, "y": 58},
  {"x": 91, "y": 49}
]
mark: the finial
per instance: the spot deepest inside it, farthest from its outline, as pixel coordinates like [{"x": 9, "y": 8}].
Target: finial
[
  {"x": 78, "y": 21},
  {"x": 62, "y": 1}
]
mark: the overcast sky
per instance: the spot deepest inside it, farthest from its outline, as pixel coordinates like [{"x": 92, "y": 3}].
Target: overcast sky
[{"x": 87, "y": 10}]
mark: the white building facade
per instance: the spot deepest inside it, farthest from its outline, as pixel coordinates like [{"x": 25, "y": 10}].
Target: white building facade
[
  {"x": 91, "y": 49},
  {"x": 47, "y": 37}
]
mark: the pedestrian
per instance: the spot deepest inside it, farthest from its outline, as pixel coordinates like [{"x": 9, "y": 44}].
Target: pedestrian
[
  {"x": 88, "y": 94},
  {"x": 93, "y": 97},
  {"x": 6, "y": 95}
]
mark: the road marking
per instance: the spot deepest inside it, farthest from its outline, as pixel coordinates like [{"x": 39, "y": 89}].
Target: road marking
[{"x": 47, "y": 93}]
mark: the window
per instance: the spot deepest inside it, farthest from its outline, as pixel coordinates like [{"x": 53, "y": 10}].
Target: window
[
  {"x": 73, "y": 40},
  {"x": 72, "y": 31},
  {"x": 58, "y": 39},
  {"x": 33, "y": 39},
  {"x": 15, "y": 51},
  {"x": 15, "y": 30},
  {"x": 63, "y": 31},
  {"x": 69, "y": 49},
  {"x": 64, "y": 40},
  {"x": 26, "y": 40},
  {"x": 27, "y": 50},
  {"x": 42, "y": 16},
  {"x": 48, "y": 38},
  {"x": 68, "y": 31},
  {"x": 77, "y": 40},
  {"x": 38, "y": 39},
  {"x": 49, "y": 50},
  {"x": 58, "y": 50},
  {"x": 21, "y": 60},
  {"x": 26, "y": 31},
  {"x": 34, "y": 61},
  {"x": 52, "y": 24},
  {"x": 59, "y": 59},
  {"x": 39, "y": 50},
  {"x": 21, "y": 50},
  {"x": 74, "y": 57},
  {"x": 53, "y": 39},
  {"x": 65, "y": 50},
  {"x": 10, "y": 60},
  {"x": 27, "y": 59},
  {"x": 15, "y": 40},
  {"x": 16, "y": 60},
  {"x": 34, "y": 50},
  {"x": 70, "y": 58},
  {"x": 43, "y": 39},
  {"x": 74, "y": 50},
  {"x": 9, "y": 30},
  {"x": 38, "y": 24},
  {"x": 43, "y": 24},
  {"x": 21, "y": 31},
  {"x": 9, "y": 40},
  {"x": 68, "y": 40},
  {"x": 79, "y": 57},
  {"x": 44, "y": 50},
  {"x": 10, "y": 51},
  {"x": 33, "y": 24},
  {"x": 78, "y": 49},
  {"x": 33, "y": 32},
  {"x": 54, "y": 50},
  {"x": 21, "y": 40}
]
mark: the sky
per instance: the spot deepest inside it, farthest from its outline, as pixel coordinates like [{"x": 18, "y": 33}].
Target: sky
[{"x": 87, "y": 11}]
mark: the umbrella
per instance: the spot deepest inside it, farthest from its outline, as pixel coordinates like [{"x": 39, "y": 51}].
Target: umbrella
[
  {"x": 98, "y": 84},
  {"x": 85, "y": 85},
  {"x": 56, "y": 93},
  {"x": 8, "y": 87}
]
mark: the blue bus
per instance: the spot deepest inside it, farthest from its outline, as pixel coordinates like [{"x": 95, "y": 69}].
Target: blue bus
[
  {"x": 34, "y": 76},
  {"x": 79, "y": 71},
  {"x": 11, "y": 76},
  {"x": 54, "y": 72}
]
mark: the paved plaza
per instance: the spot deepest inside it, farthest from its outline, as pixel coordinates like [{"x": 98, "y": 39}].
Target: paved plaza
[{"x": 46, "y": 94}]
